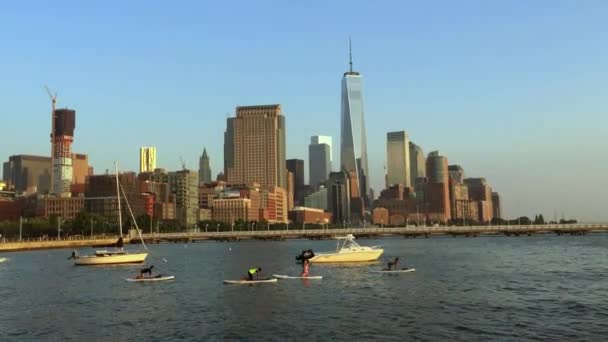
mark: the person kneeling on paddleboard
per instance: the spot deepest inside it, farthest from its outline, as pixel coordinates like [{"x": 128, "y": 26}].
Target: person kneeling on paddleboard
[
  {"x": 254, "y": 271},
  {"x": 392, "y": 264},
  {"x": 305, "y": 264}
]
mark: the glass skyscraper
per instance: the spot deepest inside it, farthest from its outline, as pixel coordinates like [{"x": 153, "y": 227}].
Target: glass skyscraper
[{"x": 353, "y": 145}]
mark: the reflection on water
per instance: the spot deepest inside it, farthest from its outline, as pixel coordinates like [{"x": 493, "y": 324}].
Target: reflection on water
[{"x": 490, "y": 288}]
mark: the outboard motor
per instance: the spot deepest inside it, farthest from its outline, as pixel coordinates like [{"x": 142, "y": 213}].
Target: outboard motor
[{"x": 305, "y": 255}]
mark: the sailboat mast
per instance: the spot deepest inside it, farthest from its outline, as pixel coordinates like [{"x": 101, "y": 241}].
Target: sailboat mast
[{"x": 118, "y": 199}]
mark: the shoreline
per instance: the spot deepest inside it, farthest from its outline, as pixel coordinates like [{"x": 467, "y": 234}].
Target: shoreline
[{"x": 320, "y": 234}]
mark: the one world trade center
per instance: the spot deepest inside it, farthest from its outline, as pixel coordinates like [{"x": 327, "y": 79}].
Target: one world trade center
[{"x": 353, "y": 145}]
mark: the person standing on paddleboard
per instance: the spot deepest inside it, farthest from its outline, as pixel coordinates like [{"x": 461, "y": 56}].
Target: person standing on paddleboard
[
  {"x": 305, "y": 265},
  {"x": 392, "y": 264},
  {"x": 254, "y": 271}
]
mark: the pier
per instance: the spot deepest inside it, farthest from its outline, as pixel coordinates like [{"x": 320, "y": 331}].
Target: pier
[
  {"x": 370, "y": 232},
  {"x": 313, "y": 234}
]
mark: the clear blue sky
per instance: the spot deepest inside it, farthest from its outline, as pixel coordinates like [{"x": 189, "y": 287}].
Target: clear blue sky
[{"x": 514, "y": 91}]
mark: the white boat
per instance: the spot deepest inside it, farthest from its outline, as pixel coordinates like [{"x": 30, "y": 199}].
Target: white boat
[
  {"x": 259, "y": 281},
  {"x": 151, "y": 279},
  {"x": 349, "y": 251},
  {"x": 3, "y": 260},
  {"x": 118, "y": 256},
  {"x": 280, "y": 276}
]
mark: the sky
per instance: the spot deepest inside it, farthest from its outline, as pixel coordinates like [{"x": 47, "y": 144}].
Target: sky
[{"x": 512, "y": 91}]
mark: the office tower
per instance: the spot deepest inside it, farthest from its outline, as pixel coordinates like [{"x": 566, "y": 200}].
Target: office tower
[
  {"x": 417, "y": 163},
  {"x": 184, "y": 185},
  {"x": 296, "y": 167},
  {"x": 204, "y": 168},
  {"x": 324, "y": 139},
  {"x": 290, "y": 190},
  {"x": 259, "y": 147},
  {"x": 81, "y": 168},
  {"x": 147, "y": 159},
  {"x": 436, "y": 192},
  {"x": 27, "y": 174},
  {"x": 456, "y": 174},
  {"x": 338, "y": 197},
  {"x": 481, "y": 193},
  {"x": 228, "y": 146},
  {"x": 398, "y": 159},
  {"x": 63, "y": 136},
  {"x": 437, "y": 168},
  {"x": 317, "y": 199},
  {"x": 353, "y": 145},
  {"x": 319, "y": 160},
  {"x": 496, "y": 207},
  {"x": 100, "y": 191}
]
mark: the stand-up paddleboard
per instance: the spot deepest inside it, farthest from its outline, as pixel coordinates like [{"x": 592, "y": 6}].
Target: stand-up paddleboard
[
  {"x": 280, "y": 276},
  {"x": 404, "y": 270},
  {"x": 156, "y": 278},
  {"x": 259, "y": 281}
]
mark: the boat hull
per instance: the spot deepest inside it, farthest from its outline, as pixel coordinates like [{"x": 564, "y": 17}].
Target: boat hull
[
  {"x": 113, "y": 259},
  {"x": 355, "y": 256}
]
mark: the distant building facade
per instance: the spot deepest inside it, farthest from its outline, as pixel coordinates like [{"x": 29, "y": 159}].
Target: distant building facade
[
  {"x": 398, "y": 158},
  {"x": 296, "y": 167},
  {"x": 417, "y": 163},
  {"x": 259, "y": 146},
  {"x": 339, "y": 197},
  {"x": 319, "y": 160},
  {"x": 184, "y": 185},
  {"x": 204, "y": 168},
  {"x": 27, "y": 174},
  {"x": 147, "y": 159}
]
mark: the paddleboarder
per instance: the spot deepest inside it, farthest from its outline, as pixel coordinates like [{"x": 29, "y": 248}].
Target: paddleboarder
[
  {"x": 305, "y": 265},
  {"x": 392, "y": 264},
  {"x": 254, "y": 271}
]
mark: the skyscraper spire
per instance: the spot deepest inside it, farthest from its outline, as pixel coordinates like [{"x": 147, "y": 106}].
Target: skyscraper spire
[{"x": 350, "y": 54}]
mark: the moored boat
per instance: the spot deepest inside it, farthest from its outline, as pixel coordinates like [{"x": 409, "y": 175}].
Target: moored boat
[
  {"x": 119, "y": 255},
  {"x": 348, "y": 250}
]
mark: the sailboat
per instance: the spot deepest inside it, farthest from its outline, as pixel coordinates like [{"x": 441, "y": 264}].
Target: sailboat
[{"x": 118, "y": 255}]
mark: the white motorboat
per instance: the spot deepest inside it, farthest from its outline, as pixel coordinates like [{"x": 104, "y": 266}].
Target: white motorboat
[
  {"x": 119, "y": 255},
  {"x": 349, "y": 251}
]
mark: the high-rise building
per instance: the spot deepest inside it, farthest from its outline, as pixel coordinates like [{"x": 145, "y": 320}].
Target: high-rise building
[
  {"x": 456, "y": 174},
  {"x": 338, "y": 197},
  {"x": 63, "y": 135},
  {"x": 353, "y": 145},
  {"x": 204, "y": 168},
  {"x": 496, "y": 207},
  {"x": 229, "y": 146},
  {"x": 481, "y": 192},
  {"x": 417, "y": 163},
  {"x": 319, "y": 160},
  {"x": 437, "y": 168},
  {"x": 296, "y": 167},
  {"x": 147, "y": 159},
  {"x": 184, "y": 185},
  {"x": 28, "y": 174},
  {"x": 81, "y": 168},
  {"x": 437, "y": 194},
  {"x": 398, "y": 159},
  {"x": 317, "y": 199},
  {"x": 259, "y": 147}
]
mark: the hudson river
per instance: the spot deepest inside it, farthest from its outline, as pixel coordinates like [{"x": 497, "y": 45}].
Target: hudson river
[{"x": 543, "y": 288}]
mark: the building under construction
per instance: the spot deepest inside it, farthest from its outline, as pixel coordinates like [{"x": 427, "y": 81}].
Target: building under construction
[{"x": 62, "y": 138}]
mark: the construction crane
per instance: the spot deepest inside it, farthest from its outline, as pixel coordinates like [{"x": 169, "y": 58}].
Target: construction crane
[
  {"x": 181, "y": 159},
  {"x": 53, "y": 97}
]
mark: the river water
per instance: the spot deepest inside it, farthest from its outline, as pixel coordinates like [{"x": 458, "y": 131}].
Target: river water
[{"x": 544, "y": 288}]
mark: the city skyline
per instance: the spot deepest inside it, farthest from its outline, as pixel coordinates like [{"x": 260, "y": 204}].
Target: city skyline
[{"x": 491, "y": 130}]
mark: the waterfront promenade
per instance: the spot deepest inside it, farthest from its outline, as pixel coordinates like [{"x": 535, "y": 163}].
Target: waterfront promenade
[{"x": 299, "y": 233}]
